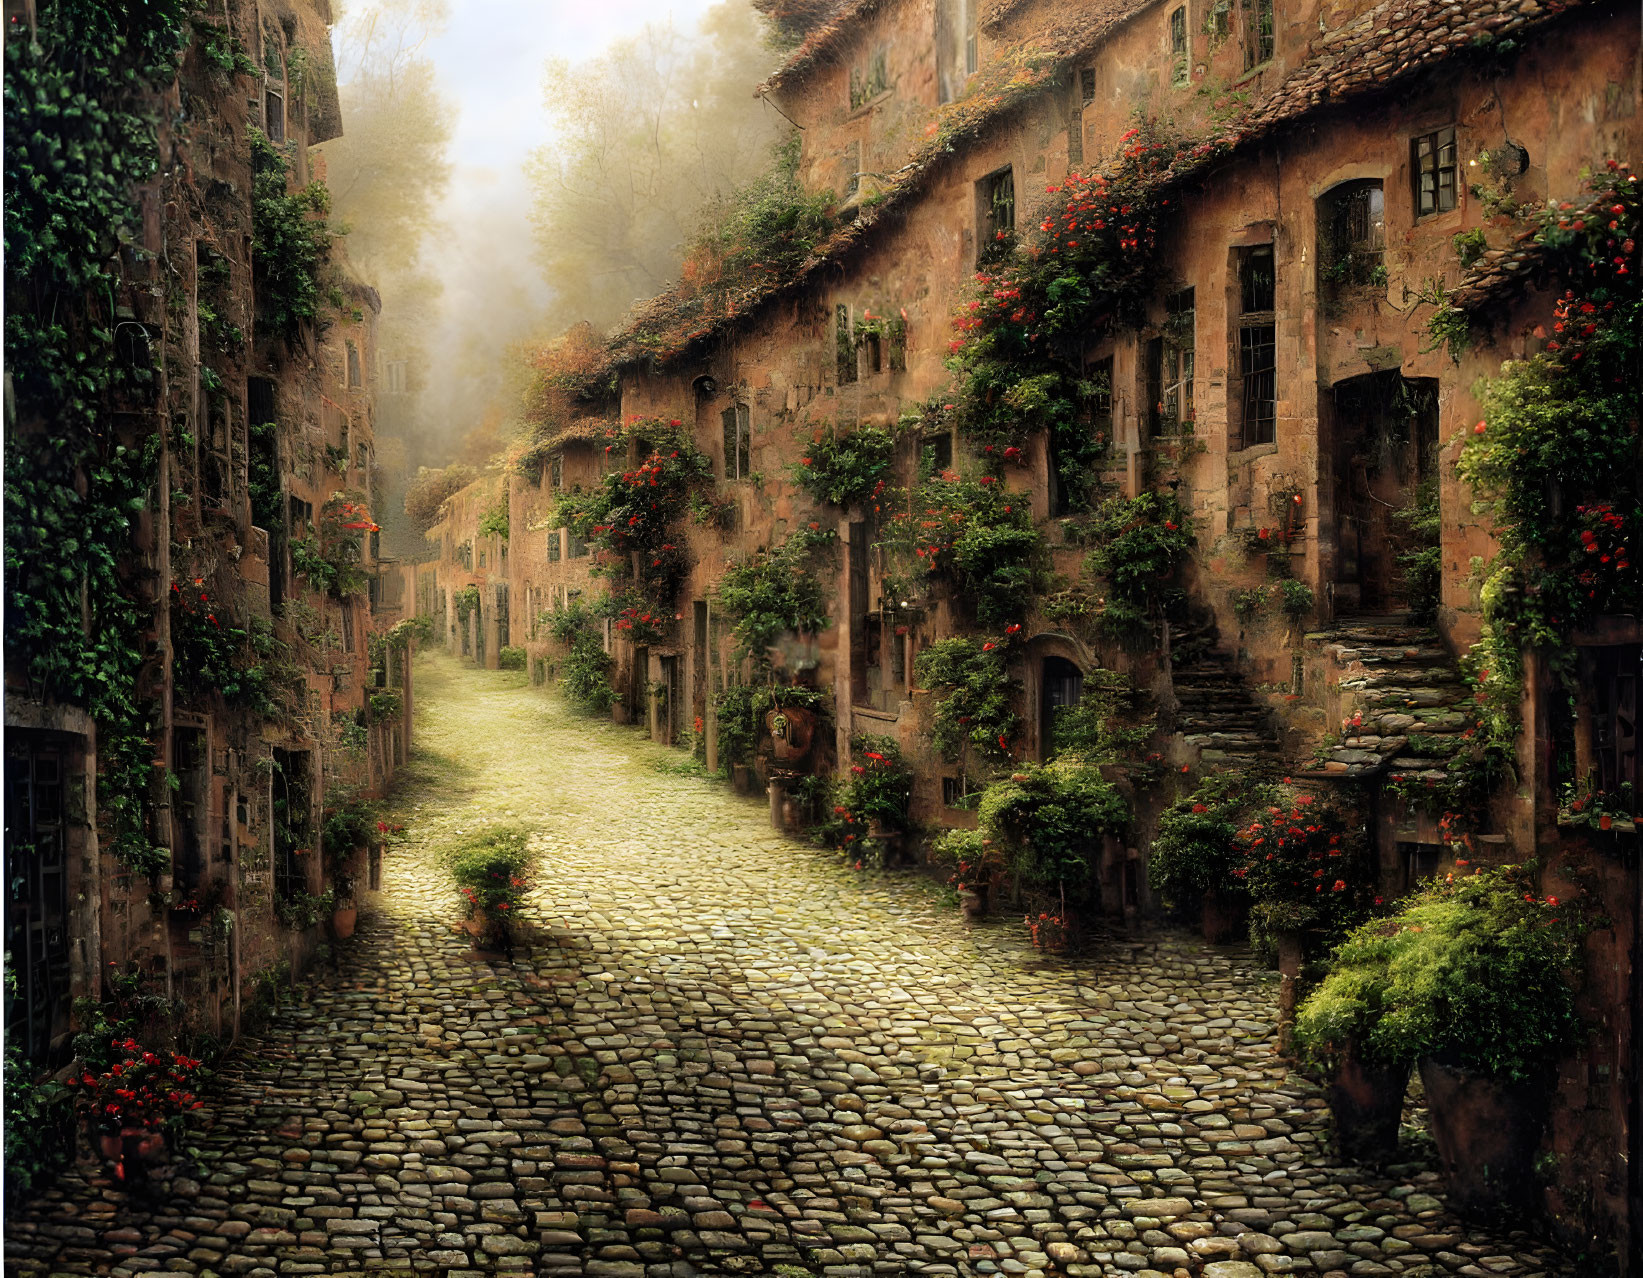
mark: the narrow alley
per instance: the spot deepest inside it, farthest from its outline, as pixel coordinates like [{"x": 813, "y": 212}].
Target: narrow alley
[{"x": 720, "y": 1051}]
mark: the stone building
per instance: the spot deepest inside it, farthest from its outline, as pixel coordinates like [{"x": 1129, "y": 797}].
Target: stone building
[
  {"x": 165, "y": 815},
  {"x": 1331, "y": 161}
]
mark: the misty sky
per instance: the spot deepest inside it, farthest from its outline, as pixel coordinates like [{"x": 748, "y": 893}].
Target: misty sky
[{"x": 490, "y": 59}]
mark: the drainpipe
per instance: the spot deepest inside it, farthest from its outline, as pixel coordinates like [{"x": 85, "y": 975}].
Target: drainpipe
[{"x": 162, "y": 635}]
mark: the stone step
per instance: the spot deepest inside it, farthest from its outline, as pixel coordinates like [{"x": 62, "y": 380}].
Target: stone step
[
  {"x": 1390, "y": 656},
  {"x": 1405, "y": 676},
  {"x": 1425, "y": 698}
]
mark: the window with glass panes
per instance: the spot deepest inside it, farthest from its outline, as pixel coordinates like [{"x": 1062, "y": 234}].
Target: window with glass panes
[
  {"x": 1257, "y": 346},
  {"x": 1433, "y": 167},
  {"x": 1259, "y": 26},
  {"x": 738, "y": 441}
]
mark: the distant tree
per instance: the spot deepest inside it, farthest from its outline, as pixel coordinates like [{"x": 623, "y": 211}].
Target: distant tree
[
  {"x": 428, "y": 491},
  {"x": 652, "y": 132},
  {"x": 792, "y": 20}
]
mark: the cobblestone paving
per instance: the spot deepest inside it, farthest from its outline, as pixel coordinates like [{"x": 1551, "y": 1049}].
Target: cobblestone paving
[{"x": 721, "y": 1052}]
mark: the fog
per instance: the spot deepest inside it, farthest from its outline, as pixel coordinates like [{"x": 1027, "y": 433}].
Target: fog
[{"x": 511, "y": 168}]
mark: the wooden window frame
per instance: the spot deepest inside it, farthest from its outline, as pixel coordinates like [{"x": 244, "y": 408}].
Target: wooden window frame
[
  {"x": 1257, "y": 350},
  {"x": 1426, "y": 159},
  {"x": 737, "y": 423},
  {"x": 1260, "y": 33}
]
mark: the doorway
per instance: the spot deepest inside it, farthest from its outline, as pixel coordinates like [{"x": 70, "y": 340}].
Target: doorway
[
  {"x": 37, "y": 919},
  {"x": 1385, "y": 472},
  {"x": 1062, "y": 686}
]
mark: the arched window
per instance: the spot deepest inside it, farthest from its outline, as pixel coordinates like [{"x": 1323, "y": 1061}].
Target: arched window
[
  {"x": 1352, "y": 237},
  {"x": 353, "y": 366}
]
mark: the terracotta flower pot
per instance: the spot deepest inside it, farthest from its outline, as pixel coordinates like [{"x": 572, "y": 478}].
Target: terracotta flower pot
[
  {"x": 1367, "y": 1102},
  {"x": 1221, "y": 918},
  {"x": 1487, "y": 1133},
  {"x": 343, "y": 920}
]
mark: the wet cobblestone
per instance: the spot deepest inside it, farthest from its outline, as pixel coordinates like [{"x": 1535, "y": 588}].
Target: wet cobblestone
[{"x": 722, "y": 1052}]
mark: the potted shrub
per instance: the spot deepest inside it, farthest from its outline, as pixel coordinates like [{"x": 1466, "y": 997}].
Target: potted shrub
[
  {"x": 134, "y": 1102},
  {"x": 973, "y": 859},
  {"x": 490, "y": 871},
  {"x": 1195, "y": 854},
  {"x": 1048, "y": 823},
  {"x": 1307, "y": 869},
  {"x": 347, "y": 835},
  {"x": 1472, "y": 979}
]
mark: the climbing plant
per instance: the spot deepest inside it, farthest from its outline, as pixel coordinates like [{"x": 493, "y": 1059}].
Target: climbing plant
[
  {"x": 773, "y": 593},
  {"x": 842, "y": 468},
  {"x": 973, "y": 534},
  {"x": 290, "y": 240},
  {"x": 79, "y": 134},
  {"x": 1139, "y": 544},
  {"x": 975, "y": 713},
  {"x": 1556, "y": 459},
  {"x": 1017, "y": 356}
]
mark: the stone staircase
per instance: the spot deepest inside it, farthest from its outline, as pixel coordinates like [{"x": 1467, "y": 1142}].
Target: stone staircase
[
  {"x": 1217, "y": 713},
  {"x": 1396, "y": 693}
]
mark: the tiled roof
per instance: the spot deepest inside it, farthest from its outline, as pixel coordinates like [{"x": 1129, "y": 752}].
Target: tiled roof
[
  {"x": 1390, "y": 43},
  {"x": 820, "y": 43},
  {"x": 1500, "y": 272}
]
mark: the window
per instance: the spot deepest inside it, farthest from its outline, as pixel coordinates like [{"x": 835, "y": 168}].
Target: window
[
  {"x": 578, "y": 549},
  {"x": 1258, "y": 29},
  {"x": 867, "y": 82},
  {"x": 274, "y": 111},
  {"x": 397, "y": 384},
  {"x": 1420, "y": 861},
  {"x": 996, "y": 223},
  {"x": 1075, "y": 138},
  {"x": 353, "y": 365},
  {"x": 955, "y": 792},
  {"x": 1180, "y": 72},
  {"x": 556, "y": 472},
  {"x": 936, "y": 449},
  {"x": 1352, "y": 237},
  {"x": 1257, "y": 345},
  {"x": 301, "y": 515},
  {"x": 1616, "y": 678},
  {"x": 1179, "y": 360},
  {"x": 347, "y": 628},
  {"x": 845, "y": 344},
  {"x": 1432, "y": 165},
  {"x": 39, "y": 937},
  {"x": 554, "y": 547},
  {"x": 273, "y": 66},
  {"x": 362, "y": 456},
  {"x": 957, "y": 55},
  {"x": 738, "y": 441},
  {"x": 1086, "y": 85}
]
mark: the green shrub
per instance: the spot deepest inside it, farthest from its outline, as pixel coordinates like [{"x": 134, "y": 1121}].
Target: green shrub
[
  {"x": 1307, "y": 868},
  {"x": 1477, "y": 973},
  {"x": 774, "y": 593},
  {"x": 1196, "y": 850},
  {"x": 844, "y": 468},
  {"x": 491, "y": 868},
  {"x": 879, "y": 788},
  {"x": 1049, "y": 821},
  {"x": 976, "y": 710},
  {"x": 511, "y": 659},
  {"x": 39, "y": 1126},
  {"x": 1139, "y": 543}
]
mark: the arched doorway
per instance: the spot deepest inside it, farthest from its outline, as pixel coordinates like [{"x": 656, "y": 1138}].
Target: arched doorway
[
  {"x": 1061, "y": 686},
  {"x": 1385, "y": 450}
]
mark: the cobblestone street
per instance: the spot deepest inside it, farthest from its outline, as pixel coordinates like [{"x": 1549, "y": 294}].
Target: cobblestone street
[{"x": 722, "y": 1052}]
